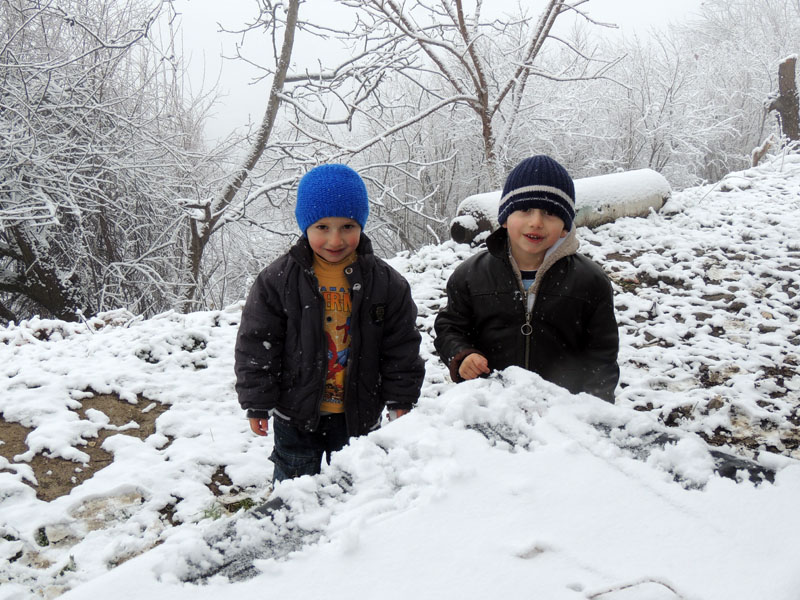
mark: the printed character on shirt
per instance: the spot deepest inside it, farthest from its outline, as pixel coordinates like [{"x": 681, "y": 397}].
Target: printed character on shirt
[{"x": 335, "y": 291}]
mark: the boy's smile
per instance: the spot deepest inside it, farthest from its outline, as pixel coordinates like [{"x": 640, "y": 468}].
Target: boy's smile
[
  {"x": 531, "y": 233},
  {"x": 334, "y": 238}
]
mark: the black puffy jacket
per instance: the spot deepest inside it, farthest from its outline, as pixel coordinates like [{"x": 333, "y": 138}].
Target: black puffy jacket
[
  {"x": 573, "y": 339},
  {"x": 281, "y": 354}
]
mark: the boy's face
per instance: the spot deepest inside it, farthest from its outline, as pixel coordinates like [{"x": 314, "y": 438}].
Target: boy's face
[
  {"x": 531, "y": 233},
  {"x": 334, "y": 238}
]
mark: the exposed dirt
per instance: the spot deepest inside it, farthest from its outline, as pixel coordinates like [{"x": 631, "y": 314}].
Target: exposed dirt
[{"x": 55, "y": 477}]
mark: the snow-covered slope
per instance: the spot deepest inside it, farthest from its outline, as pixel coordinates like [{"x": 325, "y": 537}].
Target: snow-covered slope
[{"x": 505, "y": 487}]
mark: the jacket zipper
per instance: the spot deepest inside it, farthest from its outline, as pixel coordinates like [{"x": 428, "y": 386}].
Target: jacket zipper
[
  {"x": 526, "y": 329},
  {"x": 354, "y": 287},
  {"x": 323, "y": 353}
]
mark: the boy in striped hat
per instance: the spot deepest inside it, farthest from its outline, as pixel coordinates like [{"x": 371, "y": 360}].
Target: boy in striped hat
[{"x": 530, "y": 299}]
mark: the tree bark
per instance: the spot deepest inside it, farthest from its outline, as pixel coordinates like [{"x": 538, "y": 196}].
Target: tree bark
[
  {"x": 786, "y": 104},
  {"x": 56, "y": 291}
]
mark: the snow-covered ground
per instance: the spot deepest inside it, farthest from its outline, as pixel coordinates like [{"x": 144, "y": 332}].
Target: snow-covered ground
[{"x": 500, "y": 488}]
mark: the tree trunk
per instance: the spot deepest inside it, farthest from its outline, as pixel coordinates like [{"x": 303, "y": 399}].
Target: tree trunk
[
  {"x": 56, "y": 290},
  {"x": 202, "y": 232},
  {"x": 786, "y": 104},
  {"x": 490, "y": 150}
]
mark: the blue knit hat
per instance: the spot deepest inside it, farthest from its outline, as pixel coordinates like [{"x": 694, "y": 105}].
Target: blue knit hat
[
  {"x": 539, "y": 182},
  {"x": 331, "y": 191}
]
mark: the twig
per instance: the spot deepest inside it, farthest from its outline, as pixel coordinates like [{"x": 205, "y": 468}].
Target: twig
[{"x": 626, "y": 586}]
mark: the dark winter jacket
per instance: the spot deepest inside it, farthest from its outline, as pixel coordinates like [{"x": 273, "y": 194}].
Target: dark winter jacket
[
  {"x": 281, "y": 352},
  {"x": 573, "y": 339}
]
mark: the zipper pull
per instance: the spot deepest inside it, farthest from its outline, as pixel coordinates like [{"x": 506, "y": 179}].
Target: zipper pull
[{"x": 526, "y": 328}]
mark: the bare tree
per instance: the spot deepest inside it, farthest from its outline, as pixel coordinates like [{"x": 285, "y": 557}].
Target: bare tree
[
  {"x": 658, "y": 119},
  {"x": 459, "y": 58},
  {"x": 94, "y": 146},
  {"x": 261, "y": 184},
  {"x": 228, "y": 204},
  {"x": 414, "y": 67},
  {"x": 735, "y": 48}
]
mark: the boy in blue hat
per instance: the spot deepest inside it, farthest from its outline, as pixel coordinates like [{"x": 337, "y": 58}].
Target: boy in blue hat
[
  {"x": 328, "y": 336},
  {"x": 530, "y": 299}
]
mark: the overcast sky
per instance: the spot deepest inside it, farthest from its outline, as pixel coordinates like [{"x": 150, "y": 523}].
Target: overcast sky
[{"x": 241, "y": 100}]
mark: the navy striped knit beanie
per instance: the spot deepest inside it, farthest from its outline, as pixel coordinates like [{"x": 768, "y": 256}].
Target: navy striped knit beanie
[
  {"x": 331, "y": 191},
  {"x": 539, "y": 182}
]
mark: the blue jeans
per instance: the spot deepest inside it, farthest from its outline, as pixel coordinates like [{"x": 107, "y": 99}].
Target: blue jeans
[{"x": 297, "y": 452}]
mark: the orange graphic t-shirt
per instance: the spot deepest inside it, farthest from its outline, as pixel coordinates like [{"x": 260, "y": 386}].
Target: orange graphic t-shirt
[{"x": 335, "y": 290}]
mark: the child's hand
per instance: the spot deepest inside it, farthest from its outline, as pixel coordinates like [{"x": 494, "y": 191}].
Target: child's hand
[
  {"x": 393, "y": 413},
  {"x": 259, "y": 426},
  {"x": 474, "y": 365}
]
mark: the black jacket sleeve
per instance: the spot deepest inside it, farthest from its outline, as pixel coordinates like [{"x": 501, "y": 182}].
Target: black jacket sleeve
[
  {"x": 602, "y": 348},
  {"x": 259, "y": 346},
  {"x": 455, "y": 323},
  {"x": 402, "y": 368}
]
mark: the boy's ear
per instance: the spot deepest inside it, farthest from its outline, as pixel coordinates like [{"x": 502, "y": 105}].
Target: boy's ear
[
  {"x": 504, "y": 226},
  {"x": 564, "y": 233}
]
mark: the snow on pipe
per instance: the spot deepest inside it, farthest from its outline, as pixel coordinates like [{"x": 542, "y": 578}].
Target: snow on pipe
[{"x": 599, "y": 200}]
